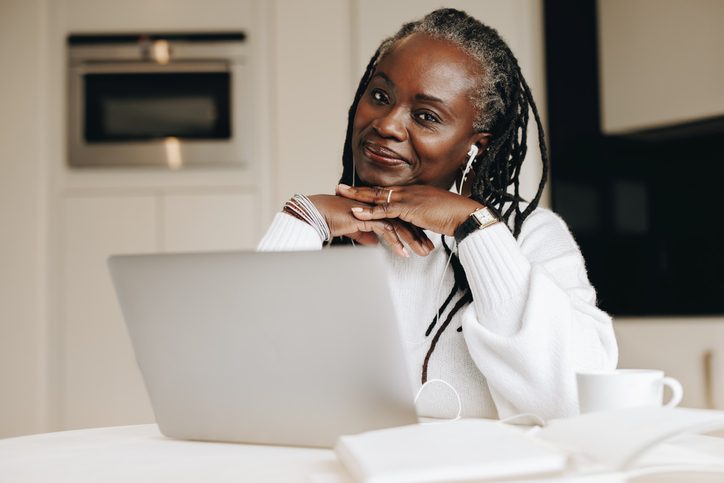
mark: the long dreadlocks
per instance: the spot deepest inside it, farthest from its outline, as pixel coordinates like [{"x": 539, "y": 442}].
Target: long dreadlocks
[{"x": 502, "y": 100}]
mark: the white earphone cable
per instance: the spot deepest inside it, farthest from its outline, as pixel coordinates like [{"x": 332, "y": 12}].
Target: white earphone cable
[
  {"x": 460, "y": 402},
  {"x": 472, "y": 153}
]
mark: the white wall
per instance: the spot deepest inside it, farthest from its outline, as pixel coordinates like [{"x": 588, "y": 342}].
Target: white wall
[
  {"x": 311, "y": 72},
  {"x": 22, "y": 193},
  {"x": 661, "y": 62}
]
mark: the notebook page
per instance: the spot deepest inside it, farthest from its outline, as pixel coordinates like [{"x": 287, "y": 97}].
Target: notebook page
[
  {"x": 614, "y": 440},
  {"x": 456, "y": 451}
]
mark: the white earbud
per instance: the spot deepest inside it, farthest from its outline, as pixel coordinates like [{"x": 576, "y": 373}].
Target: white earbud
[{"x": 472, "y": 153}]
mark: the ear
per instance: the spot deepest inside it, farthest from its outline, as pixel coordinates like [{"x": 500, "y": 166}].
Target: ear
[{"x": 481, "y": 140}]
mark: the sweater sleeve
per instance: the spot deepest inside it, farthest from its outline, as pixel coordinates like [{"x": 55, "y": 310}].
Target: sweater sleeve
[
  {"x": 533, "y": 322},
  {"x": 287, "y": 234}
]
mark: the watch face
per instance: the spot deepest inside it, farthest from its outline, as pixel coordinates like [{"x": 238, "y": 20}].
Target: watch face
[{"x": 484, "y": 217}]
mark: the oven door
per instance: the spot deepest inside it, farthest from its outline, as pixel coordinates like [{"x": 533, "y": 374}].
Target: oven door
[{"x": 146, "y": 114}]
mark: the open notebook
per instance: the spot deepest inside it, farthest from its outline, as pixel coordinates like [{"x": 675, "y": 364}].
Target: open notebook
[{"x": 478, "y": 449}]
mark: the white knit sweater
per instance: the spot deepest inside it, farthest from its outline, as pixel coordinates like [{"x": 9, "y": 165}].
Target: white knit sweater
[{"x": 533, "y": 322}]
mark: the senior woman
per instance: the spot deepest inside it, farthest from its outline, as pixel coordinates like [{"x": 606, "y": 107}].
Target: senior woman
[{"x": 512, "y": 317}]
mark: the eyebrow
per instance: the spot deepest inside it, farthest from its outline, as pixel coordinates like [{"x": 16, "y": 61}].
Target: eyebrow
[{"x": 423, "y": 97}]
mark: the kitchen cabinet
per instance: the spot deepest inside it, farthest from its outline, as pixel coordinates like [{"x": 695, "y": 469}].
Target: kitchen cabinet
[
  {"x": 202, "y": 222},
  {"x": 99, "y": 381}
]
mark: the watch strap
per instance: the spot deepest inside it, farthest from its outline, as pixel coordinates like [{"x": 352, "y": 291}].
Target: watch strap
[{"x": 478, "y": 219}]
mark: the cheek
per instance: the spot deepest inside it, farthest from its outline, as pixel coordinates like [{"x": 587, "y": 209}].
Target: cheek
[
  {"x": 362, "y": 117},
  {"x": 442, "y": 156},
  {"x": 439, "y": 152}
]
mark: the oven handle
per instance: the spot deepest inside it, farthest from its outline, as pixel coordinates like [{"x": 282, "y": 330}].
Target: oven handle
[{"x": 151, "y": 68}]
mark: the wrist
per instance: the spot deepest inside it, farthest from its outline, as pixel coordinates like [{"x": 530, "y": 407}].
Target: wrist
[
  {"x": 463, "y": 213},
  {"x": 302, "y": 208},
  {"x": 479, "y": 219}
]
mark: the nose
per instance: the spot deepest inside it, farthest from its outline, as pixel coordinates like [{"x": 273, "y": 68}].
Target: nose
[{"x": 391, "y": 123}]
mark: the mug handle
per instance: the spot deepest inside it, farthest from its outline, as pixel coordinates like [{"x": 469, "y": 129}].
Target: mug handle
[{"x": 676, "y": 388}]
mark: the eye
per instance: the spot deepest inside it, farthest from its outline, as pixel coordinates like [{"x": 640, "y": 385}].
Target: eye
[
  {"x": 380, "y": 96},
  {"x": 427, "y": 117}
]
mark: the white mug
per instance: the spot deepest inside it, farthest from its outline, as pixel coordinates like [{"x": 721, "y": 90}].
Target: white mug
[{"x": 623, "y": 388}]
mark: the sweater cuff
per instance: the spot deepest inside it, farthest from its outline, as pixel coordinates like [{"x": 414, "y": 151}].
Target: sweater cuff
[
  {"x": 494, "y": 264},
  {"x": 287, "y": 233}
]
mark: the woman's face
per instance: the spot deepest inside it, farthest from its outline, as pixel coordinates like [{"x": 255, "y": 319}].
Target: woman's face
[{"x": 414, "y": 122}]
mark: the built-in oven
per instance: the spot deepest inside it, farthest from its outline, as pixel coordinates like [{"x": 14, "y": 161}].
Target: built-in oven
[{"x": 158, "y": 100}]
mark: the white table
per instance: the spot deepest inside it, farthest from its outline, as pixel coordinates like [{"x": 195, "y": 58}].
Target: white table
[{"x": 142, "y": 454}]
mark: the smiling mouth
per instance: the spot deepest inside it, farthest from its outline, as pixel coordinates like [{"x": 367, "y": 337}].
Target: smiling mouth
[{"x": 382, "y": 156}]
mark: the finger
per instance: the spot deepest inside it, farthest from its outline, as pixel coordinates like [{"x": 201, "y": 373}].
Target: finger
[
  {"x": 377, "y": 212},
  {"x": 414, "y": 236},
  {"x": 346, "y": 191},
  {"x": 364, "y": 238},
  {"x": 376, "y": 195},
  {"x": 387, "y": 231}
]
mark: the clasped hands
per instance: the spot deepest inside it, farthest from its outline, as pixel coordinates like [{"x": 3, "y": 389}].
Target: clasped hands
[{"x": 361, "y": 213}]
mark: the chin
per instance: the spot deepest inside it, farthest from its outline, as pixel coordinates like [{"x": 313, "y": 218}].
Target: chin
[
  {"x": 370, "y": 175},
  {"x": 378, "y": 179}
]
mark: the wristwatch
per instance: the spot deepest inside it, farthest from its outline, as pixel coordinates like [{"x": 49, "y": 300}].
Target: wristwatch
[{"x": 478, "y": 219}]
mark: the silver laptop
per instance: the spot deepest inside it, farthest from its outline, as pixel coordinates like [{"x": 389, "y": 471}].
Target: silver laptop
[{"x": 288, "y": 348}]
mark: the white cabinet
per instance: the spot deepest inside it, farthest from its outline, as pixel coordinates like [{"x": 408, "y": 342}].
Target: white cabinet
[
  {"x": 99, "y": 381},
  {"x": 196, "y": 222},
  {"x": 688, "y": 349}
]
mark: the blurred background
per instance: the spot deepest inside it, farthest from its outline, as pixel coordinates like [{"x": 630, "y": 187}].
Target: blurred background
[{"x": 266, "y": 86}]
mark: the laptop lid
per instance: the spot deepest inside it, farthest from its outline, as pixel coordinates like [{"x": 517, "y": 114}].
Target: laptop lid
[{"x": 289, "y": 348}]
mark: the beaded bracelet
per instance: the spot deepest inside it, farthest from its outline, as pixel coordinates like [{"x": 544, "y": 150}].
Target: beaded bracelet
[{"x": 303, "y": 209}]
